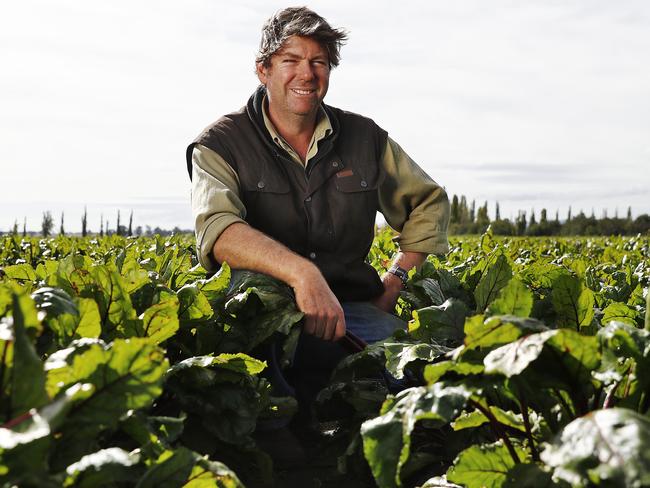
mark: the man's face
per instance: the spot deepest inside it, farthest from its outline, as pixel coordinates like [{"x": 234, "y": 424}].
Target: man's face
[{"x": 297, "y": 79}]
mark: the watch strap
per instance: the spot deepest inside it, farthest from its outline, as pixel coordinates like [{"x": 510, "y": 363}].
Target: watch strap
[{"x": 401, "y": 273}]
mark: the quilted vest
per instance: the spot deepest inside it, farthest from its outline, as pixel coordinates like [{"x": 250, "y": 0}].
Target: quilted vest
[{"x": 324, "y": 212}]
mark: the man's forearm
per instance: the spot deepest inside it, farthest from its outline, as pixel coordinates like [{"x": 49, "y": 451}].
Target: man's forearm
[{"x": 244, "y": 247}]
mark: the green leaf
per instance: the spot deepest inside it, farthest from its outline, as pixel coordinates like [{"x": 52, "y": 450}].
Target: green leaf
[
  {"x": 115, "y": 307},
  {"x": 25, "y": 395},
  {"x": 513, "y": 358},
  {"x": 608, "y": 447},
  {"x": 514, "y": 299},
  {"x": 134, "y": 276},
  {"x": 433, "y": 372},
  {"x": 258, "y": 306},
  {"x": 542, "y": 275},
  {"x": 566, "y": 359},
  {"x": 5, "y": 298},
  {"x": 127, "y": 375},
  {"x": 431, "y": 288},
  {"x": 496, "y": 275},
  {"x": 484, "y": 466},
  {"x": 25, "y": 440},
  {"x": 183, "y": 467},
  {"x": 573, "y": 302},
  {"x": 194, "y": 304},
  {"x": 89, "y": 324},
  {"x": 73, "y": 275},
  {"x": 620, "y": 312},
  {"x": 238, "y": 363},
  {"x": 442, "y": 324},
  {"x": 216, "y": 287},
  {"x": 400, "y": 354},
  {"x": 160, "y": 321},
  {"x": 107, "y": 467},
  {"x": 387, "y": 438},
  {"x": 624, "y": 342},
  {"x": 221, "y": 393},
  {"x": 439, "y": 482},
  {"x": 477, "y": 418},
  {"x": 498, "y": 330},
  {"x": 20, "y": 272}
]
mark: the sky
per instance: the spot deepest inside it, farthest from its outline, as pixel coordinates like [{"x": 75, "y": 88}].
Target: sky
[{"x": 536, "y": 104}]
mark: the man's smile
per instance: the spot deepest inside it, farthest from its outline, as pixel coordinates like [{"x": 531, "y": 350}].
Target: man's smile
[{"x": 301, "y": 91}]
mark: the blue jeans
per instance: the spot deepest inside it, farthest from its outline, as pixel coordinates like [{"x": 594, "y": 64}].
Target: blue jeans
[{"x": 369, "y": 323}]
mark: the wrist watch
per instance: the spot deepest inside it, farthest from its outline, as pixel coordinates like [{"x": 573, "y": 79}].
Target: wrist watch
[{"x": 401, "y": 273}]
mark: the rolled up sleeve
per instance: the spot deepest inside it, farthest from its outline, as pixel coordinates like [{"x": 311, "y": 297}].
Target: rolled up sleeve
[
  {"x": 413, "y": 203},
  {"x": 216, "y": 201}
]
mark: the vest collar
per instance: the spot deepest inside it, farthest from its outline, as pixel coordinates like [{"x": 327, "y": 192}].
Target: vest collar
[{"x": 255, "y": 112}]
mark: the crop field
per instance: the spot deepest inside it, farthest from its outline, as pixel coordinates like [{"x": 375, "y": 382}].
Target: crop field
[{"x": 524, "y": 363}]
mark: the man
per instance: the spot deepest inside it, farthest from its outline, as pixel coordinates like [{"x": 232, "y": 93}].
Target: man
[{"x": 289, "y": 186}]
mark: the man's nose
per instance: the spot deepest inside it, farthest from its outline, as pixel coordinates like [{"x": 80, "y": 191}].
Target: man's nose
[{"x": 306, "y": 71}]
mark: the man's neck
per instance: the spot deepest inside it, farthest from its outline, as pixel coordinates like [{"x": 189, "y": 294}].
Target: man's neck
[{"x": 296, "y": 130}]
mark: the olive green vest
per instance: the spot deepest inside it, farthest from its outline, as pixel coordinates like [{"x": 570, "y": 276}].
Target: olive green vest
[{"x": 324, "y": 212}]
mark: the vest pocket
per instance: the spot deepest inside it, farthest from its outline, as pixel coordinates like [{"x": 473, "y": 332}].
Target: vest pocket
[
  {"x": 350, "y": 181},
  {"x": 265, "y": 185}
]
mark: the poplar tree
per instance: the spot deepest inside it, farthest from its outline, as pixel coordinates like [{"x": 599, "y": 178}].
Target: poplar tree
[
  {"x": 84, "y": 223},
  {"x": 46, "y": 224}
]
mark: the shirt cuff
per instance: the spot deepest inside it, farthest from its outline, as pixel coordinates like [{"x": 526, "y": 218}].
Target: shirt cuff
[
  {"x": 436, "y": 243},
  {"x": 211, "y": 232}
]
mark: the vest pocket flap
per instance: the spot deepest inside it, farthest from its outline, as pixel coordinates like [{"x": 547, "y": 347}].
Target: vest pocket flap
[
  {"x": 265, "y": 185},
  {"x": 349, "y": 180}
]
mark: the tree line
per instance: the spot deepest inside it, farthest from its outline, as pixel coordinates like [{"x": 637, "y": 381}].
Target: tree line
[
  {"x": 469, "y": 219},
  {"x": 121, "y": 229}
]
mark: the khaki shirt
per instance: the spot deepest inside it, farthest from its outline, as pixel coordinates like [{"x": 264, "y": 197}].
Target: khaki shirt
[{"x": 410, "y": 201}]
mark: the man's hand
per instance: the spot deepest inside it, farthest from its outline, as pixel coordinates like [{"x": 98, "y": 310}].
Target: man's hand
[
  {"x": 388, "y": 299},
  {"x": 323, "y": 313},
  {"x": 392, "y": 284}
]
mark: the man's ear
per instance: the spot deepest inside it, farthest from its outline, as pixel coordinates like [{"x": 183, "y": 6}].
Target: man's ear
[{"x": 261, "y": 73}]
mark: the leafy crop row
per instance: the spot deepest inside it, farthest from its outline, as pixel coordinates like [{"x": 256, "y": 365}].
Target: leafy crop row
[{"x": 525, "y": 363}]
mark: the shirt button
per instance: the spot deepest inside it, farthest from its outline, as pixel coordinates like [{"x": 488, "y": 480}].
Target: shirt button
[
  {"x": 335, "y": 164},
  {"x": 312, "y": 255},
  {"x": 260, "y": 184},
  {"x": 363, "y": 183},
  {"x": 308, "y": 199}
]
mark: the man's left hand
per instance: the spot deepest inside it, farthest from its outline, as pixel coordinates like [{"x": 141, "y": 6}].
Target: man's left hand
[{"x": 388, "y": 299}]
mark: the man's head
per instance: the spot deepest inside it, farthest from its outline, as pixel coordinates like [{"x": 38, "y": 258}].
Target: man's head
[{"x": 299, "y": 21}]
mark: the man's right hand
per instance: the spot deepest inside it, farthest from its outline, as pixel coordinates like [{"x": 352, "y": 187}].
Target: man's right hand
[{"x": 324, "y": 316}]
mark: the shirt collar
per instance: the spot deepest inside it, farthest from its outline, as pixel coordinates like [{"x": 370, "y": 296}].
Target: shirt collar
[{"x": 321, "y": 131}]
